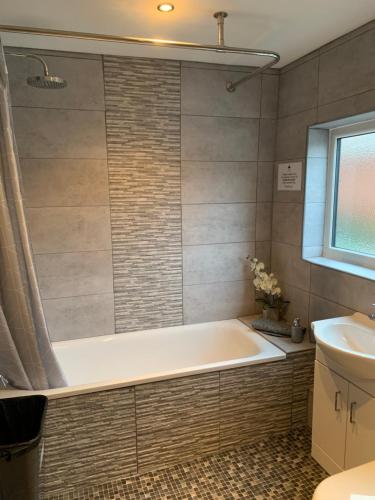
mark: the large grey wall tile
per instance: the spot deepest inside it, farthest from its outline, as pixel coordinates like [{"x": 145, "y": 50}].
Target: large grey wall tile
[
  {"x": 292, "y": 134},
  {"x": 202, "y": 224},
  {"x": 216, "y": 301},
  {"x": 218, "y": 182},
  {"x": 270, "y": 94},
  {"x": 263, "y": 252},
  {"x": 72, "y": 274},
  {"x": 61, "y": 182},
  {"x": 299, "y": 303},
  {"x": 299, "y": 88},
  {"x": 250, "y": 409},
  {"x": 267, "y": 138},
  {"x": 212, "y": 263},
  {"x": 203, "y": 92},
  {"x": 187, "y": 423},
  {"x": 288, "y": 265},
  {"x": 86, "y": 441},
  {"x": 349, "y": 106},
  {"x": 60, "y": 133},
  {"x": 219, "y": 139},
  {"x": 345, "y": 289},
  {"x": 84, "y": 76},
  {"x": 69, "y": 229},
  {"x": 321, "y": 308},
  {"x": 265, "y": 181},
  {"x": 79, "y": 317},
  {"x": 143, "y": 135},
  {"x": 287, "y": 223},
  {"x": 263, "y": 221},
  {"x": 345, "y": 70}
]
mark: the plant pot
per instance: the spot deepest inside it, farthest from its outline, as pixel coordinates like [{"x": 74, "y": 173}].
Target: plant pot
[{"x": 271, "y": 313}]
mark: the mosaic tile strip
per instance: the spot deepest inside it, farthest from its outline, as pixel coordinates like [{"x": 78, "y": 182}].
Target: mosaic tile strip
[
  {"x": 177, "y": 420},
  {"x": 275, "y": 468},
  {"x": 89, "y": 439},
  {"x": 142, "y": 99},
  {"x": 254, "y": 402},
  {"x": 303, "y": 380}
]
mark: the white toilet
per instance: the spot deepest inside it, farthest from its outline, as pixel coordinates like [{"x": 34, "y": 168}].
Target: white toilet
[{"x": 353, "y": 484}]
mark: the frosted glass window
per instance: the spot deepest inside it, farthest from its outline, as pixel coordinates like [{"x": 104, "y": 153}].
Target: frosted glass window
[{"x": 353, "y": 227}]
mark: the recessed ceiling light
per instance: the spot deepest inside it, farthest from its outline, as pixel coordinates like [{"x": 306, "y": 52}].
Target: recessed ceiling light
[{"x": 165, "y": 7}]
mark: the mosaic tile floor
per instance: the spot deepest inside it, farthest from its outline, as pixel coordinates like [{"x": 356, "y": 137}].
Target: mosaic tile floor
[{"x": 278, "y": 468}]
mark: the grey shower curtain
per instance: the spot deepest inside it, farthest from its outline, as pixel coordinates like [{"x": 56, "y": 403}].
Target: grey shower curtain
[{"x": 27, "y": 360}]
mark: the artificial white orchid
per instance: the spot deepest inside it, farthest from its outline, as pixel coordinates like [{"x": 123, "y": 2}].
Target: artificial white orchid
[
  {"x": 264, "y": 282},
  {"x": 267, "y": 285}
]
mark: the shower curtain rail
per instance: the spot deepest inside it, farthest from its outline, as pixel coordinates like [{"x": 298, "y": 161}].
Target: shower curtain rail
[{"x": 219, "y": 47}]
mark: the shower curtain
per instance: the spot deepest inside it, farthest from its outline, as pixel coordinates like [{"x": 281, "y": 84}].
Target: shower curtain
[{"x": 27, "y": 360}]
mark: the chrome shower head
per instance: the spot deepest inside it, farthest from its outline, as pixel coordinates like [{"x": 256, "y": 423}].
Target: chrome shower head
[{"x": 45, "y": 81}]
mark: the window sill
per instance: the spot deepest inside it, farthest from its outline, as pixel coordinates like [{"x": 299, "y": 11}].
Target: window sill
[{"x": 362, "y": 272}]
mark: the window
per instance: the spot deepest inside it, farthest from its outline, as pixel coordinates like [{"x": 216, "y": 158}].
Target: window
[{"x": 349, "y": 234}]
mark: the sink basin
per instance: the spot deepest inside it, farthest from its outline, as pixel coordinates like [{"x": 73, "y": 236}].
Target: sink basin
[{"x": 349, "y": 341}]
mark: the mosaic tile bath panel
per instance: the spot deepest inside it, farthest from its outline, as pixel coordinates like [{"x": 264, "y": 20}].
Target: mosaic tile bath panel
[
  {"x": 142, "y": 100},
  {"x": 255, "y": 401},
  {"x": 89, "y": 439},
  {"x": 177, "y": 420},
  {"x": 303, "y": 379}
]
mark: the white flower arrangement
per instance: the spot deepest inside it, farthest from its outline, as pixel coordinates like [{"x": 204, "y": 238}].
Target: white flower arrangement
[
  {"x": 267, "y": 286},
  {"x": 264, "y": 282}
]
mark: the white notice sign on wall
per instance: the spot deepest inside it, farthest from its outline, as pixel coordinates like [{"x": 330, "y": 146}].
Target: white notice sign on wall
[{"x": 289, "y": 176}]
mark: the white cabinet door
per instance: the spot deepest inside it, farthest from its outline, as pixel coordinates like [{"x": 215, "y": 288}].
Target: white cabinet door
[
  {"x": 330, "y": 417},
  {"x": 360, "y": 437}
]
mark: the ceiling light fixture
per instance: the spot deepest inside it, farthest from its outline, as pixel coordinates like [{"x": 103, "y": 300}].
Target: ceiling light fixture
[{"x": 165, "y": 7}]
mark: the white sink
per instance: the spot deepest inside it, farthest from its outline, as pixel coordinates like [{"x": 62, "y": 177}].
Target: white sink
[{"x": 350, "y": 341}]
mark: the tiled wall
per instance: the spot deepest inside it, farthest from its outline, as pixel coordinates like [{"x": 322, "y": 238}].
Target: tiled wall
[
  {"x": 335, "y": 81},
  {"x": 120, "y": 432},
  {"x": 184, "y": 196},
  {"x": 62, "y": 148},
  {"x": 227, "y": 148},
  {"x": 142, "y": 98}
]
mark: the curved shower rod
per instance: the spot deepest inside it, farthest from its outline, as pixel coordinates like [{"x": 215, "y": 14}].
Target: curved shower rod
[{"x": 219, "y": 47}]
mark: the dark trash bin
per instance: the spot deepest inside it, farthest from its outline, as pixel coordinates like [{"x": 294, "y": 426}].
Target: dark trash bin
[{"x": 21, "y": 422}]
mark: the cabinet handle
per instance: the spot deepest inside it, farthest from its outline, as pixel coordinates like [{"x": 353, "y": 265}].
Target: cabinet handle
[
  {"x": 337, "y": 397},
  {"x": 351, "y": 417}
]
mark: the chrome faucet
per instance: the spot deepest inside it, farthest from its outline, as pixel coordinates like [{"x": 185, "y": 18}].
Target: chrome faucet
[{"x": 372, "y": 315}]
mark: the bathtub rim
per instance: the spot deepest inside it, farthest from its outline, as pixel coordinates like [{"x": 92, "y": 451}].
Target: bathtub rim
[{"x": 274, "y": 354}]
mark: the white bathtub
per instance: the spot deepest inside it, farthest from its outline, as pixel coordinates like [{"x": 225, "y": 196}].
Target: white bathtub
[{"x": 127, "y": 359}]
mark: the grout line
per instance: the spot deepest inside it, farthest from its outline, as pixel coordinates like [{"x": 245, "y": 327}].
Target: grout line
[
  {"x": 228, "y": 116},
  {"x": 219, "y": 282},
  {"x": 221, "y": 243},
  {"x": 252, "y": 202},
  {"x": 73, "y": 251},
  {"x": 66, "y": 206},
  {"x": 44, "y": 299},
  {"x": 94, "y": 110},
  {"x": 181, "y": 205},
  {"x": 109, "y": 197}
]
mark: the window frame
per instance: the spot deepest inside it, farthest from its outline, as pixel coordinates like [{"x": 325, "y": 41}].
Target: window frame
[{"x": 330, "y": 252}]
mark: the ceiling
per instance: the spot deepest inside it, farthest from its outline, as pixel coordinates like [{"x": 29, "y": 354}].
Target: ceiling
[{"x": 290, "y": 27}]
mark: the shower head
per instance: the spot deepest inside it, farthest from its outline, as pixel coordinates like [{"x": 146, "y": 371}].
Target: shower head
[{"x": 45, "y": 81}]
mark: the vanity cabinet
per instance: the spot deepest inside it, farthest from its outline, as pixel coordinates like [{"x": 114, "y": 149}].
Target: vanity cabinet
[
  {"x": 360, "y": 434},
  {"x": 343, "y": 422}
]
